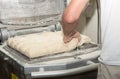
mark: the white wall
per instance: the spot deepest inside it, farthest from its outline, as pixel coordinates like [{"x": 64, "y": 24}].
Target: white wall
[{"x": 89, "y": 25}]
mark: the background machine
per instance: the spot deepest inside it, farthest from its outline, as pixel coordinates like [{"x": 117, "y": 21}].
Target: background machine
[{"x": 19, "y": 17}]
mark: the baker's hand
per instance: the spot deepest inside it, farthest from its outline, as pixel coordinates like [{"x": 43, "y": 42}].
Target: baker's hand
[{"x": 69, "y": 37}]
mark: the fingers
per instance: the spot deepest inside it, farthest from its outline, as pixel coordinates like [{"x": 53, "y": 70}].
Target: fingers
[
  {"x": 77, "y": 35},
  {"x": 67, "y": 39}
]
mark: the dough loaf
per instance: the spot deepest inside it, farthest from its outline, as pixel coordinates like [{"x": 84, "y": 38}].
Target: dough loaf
[{"x": 45, "y": 43}]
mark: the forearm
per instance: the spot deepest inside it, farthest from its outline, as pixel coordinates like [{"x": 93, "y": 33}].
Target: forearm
[{"x": 71, "y": 15}]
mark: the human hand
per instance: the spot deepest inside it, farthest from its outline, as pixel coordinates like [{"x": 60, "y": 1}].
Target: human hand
[{"x": 69, "y": 37}]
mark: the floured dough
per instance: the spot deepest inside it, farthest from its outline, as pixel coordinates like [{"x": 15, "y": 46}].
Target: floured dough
[{"x": 41, "y": 44}]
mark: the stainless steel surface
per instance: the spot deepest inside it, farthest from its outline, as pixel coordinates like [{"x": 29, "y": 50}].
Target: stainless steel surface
[
  {"x": 51, "y": 20},
  {"x": 64, "y": 72},
  {"x": 85, "y": 49},
  {"x": 28, "y": 12},
  {"x": 68, "y": 63},
  {"x": 80, "y": 60},
  {"x": 5, "y": 33}
]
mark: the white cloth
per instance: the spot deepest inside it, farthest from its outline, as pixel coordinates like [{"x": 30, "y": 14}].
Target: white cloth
[
  {"x": 46, "y": 43},
  {"x": 110, "y": 22}
]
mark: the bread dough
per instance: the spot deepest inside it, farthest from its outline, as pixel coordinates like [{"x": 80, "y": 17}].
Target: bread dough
[{"x": 45, "y": 43}]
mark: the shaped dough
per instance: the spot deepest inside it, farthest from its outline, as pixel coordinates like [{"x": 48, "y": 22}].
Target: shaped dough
[{"x": 45, "y": 43}]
